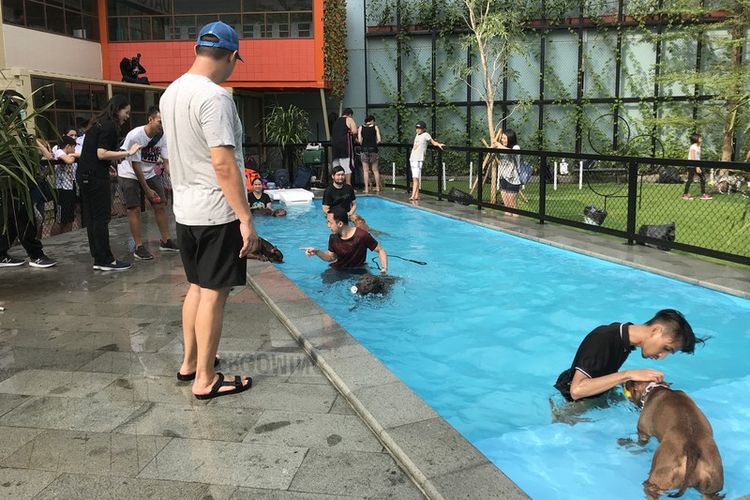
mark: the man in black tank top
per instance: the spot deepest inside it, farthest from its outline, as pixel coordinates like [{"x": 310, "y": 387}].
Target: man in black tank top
[{"x": 342, "y": 142}]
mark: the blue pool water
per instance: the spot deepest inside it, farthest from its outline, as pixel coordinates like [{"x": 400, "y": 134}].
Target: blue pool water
[{"x": 482, "y": 332}]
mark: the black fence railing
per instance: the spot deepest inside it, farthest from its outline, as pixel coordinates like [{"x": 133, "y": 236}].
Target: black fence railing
[{"x": 637, "y": 198}]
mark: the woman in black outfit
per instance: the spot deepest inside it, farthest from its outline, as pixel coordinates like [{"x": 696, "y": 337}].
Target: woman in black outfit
[
  {"x": 369, "y": 137},
  {"x": 100, "y": 150}
]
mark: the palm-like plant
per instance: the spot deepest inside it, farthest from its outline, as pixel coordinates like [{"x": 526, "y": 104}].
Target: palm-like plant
[
  {"x": 19, "y": 156},
  {"x": 286, "y": 126}
]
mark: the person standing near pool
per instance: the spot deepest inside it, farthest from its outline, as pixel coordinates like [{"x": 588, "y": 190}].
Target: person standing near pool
[
  {"x": 214, "y": 225},
  {"x": 369, "y": 138},
  {"x": 339, "y": 194},
  {"x": 596, "y": 366},
  {"x": 348, "y": 245},
  {"x": 694, "y": 153},
  {"x": 416, "y": 158},
  {"x": 508, "y": 170}
]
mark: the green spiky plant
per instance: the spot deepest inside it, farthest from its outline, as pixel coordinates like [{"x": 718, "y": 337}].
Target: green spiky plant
[
  {"x": 285, "y": 127},
  {"x": 19, "y": 156}
]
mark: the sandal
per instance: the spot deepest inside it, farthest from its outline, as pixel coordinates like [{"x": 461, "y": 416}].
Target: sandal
[
  {"x": 220, "y": 382},
  {"x": 191, "y": 376}
]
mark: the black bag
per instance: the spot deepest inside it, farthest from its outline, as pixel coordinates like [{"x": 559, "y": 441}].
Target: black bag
[
  {"x": 302, "y": 179},
  {"x": 461, "y": 197},
  {"x": 664, "y": 232},
  {"x": 594, "y": 216},
  {"x": 281, "y": 178}
]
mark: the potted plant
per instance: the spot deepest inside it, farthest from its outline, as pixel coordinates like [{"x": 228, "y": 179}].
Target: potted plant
[
  {"x": 20, "y": 165},
  {"x": 286, "y": 127}
]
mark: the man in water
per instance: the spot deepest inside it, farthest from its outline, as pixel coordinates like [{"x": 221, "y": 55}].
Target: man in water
[
  {"x": 348, "y": 245},
  {"x": 339, "y": 193}
]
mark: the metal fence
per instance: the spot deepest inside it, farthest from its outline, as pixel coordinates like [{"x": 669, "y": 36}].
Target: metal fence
[{"x": 629, "y": 195}]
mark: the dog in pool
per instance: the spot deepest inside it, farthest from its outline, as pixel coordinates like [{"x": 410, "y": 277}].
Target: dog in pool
[
  {"x": 267, "y": 252},
  {"x": 369, "y": 284},
  {"x": 687, "y": 456}
]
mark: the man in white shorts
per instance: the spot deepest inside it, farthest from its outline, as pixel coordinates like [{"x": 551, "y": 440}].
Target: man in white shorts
[{"x": 416, "y": 159}]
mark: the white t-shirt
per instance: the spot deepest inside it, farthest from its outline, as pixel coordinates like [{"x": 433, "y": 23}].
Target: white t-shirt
[
  {"x": 197, "y": 115},
  {"x": 695, "y": 149},
  {"x": 421, "y": 141},
  {"x": 149, "y": 158}
]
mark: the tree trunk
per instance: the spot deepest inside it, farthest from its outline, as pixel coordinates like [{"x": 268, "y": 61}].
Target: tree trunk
[{"x": 730, "y": 125}]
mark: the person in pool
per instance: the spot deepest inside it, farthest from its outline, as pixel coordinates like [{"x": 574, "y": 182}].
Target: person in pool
[
  {"x": 348, "y": 245},
  {"x": 257, "y": 198},
  {"x": 596, "y": 366}
]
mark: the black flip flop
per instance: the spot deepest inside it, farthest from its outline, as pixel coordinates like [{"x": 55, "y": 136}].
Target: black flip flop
[
  {"x": 220, "y": 382},
  {"x": 191, "y": 376}
]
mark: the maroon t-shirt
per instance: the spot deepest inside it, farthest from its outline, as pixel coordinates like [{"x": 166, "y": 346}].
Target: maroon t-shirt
[{"x": 351, "y": 252}]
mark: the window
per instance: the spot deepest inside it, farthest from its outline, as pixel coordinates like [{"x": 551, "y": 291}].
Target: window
[
  {"x": 75, "y": 104},
  {"x": 66, "y": 17},
  {"x": 183, "y": 19}
]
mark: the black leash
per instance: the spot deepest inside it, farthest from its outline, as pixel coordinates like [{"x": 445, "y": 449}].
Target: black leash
[{"x": 420, "y": 262}]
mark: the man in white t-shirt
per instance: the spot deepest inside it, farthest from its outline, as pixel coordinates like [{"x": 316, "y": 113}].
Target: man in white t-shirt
[
  {"x": 138, "y": 178},
  {"x": 421, "y": 140},
  {"x": 215, "y": 229}
]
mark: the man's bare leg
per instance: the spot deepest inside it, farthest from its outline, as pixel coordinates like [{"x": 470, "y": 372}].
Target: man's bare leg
[
  {"x": 189, "y": 313},
  {"x": 134, "y": 220},
  {"x": 160, "y": 214}
]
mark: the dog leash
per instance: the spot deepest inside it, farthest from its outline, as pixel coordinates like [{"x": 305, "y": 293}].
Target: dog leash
[{"x": 420, "y": 262}]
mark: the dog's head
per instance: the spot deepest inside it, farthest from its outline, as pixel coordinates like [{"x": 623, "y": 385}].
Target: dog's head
[
  {"x": 637, "y": 392},
  {"x": 358, "y": 220},
  {"x": 279, "y": 212},
  {"x": 267, "y": 252},
  {"x": 368, "y": 283}
]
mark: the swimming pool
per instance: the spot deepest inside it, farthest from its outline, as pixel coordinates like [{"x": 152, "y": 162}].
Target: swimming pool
[{"x": 482, "y": 331}]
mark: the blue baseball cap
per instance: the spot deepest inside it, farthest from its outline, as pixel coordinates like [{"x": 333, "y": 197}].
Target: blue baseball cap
[{"x": 220, "y": 35}]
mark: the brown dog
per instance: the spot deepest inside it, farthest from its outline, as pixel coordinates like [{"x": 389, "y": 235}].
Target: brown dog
[
  {"x": 687, "y": 456},
  {"x": 267, "y": 252},
  {"x": 360, "y": 222}
]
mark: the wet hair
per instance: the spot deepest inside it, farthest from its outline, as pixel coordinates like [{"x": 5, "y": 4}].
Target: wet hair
[
  {"x": 337, "y": 169},
  {"x": 347, "y": 112},
  {"x": 369, "y": 119},
  {"x": 695, "y": 137},
  {"x": 511, "y": 135},
  {"x": 153, "y": 111},
  {"x": 339, "y": 214},
  {"x": 109, "y": 113},
  {"x": 66, "y": 140},
  {"x": 678, "y": 328}
]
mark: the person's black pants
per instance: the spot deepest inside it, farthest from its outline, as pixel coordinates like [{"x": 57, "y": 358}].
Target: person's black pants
[
  {"x": 701, "y": 179},
  {"x": 96, "y": 211},
  {"x": 20, "y": 226}
]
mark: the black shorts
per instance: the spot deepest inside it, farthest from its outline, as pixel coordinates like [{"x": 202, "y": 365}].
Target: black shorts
[
  {"x": 508, "y": 187},
  {"x": 210, "y": 255},
  {"x": 65, "y": 212},
  {"x": 132, "y": 191}
]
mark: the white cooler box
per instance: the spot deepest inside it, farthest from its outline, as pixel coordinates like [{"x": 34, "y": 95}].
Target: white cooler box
[{"x": 290, "y": 196}]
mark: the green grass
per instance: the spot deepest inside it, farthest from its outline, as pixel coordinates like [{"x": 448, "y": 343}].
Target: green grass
[{"x": 714, "y": 224}]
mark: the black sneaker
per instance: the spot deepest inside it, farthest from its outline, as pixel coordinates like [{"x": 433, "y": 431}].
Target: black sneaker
[
  {"x": 168, "y": 246},
  {"x": 142, "y": 254},
  {"x": 8, "y": 261},
  {"x": 115, "y": 265},
  {"x": 42, "y": 262}
]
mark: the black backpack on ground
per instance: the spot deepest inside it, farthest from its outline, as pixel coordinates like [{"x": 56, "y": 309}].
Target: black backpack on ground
[
  {"x": 281, "y": 178},
  {"x": 664, "y": 232},
  {"x": 302, "y": 179},
  {"x": 458, "y": 196}
]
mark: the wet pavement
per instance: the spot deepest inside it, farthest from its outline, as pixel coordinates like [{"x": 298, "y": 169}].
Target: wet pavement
[{"x": 90, "y": 406}]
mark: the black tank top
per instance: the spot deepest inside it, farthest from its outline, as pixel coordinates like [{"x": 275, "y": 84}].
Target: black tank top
[
  {"x": 369, "y": 139},
  {"x": 340, "y": 139}
]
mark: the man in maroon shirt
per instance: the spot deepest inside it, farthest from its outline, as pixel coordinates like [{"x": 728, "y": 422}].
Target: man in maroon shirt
[{"x": 348, "y": 245}]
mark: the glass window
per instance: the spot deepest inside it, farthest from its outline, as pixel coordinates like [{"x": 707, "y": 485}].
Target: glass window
[
  {"x": 63, "y": 95},
  {"x": 74, "y": 23},
  {"x": 55, "y": 19},
  {"x": 201, "y": 21},
  {"x": 252, "y": 25},
  {"x": 13, "y": 11},
  {"x": 118, "y": 28},
  {"x": 161, "y": 26},
  {"x": 212, "y": 7},
  {"x": 277, "y": 25},
  {"x": 35, "y": 15},
  {"x": 233, "y": 20},
  {"x": 44, "y": 91},
  {"x": 90, "y": 27},
  {"x": 98, "y": 97},
  {"x": 184, "y": 28},
  {"x": 140, "y": 28},
  {"x": 301, "y": 24},
  {"x": 82, "y": 96},
  {"x": 89, "y": 7},
  {"x": 73, "y": 4}
]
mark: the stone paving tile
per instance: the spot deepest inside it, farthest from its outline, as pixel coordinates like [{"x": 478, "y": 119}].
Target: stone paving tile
[
  {"x": 233, "y": 464},
  {"x": 86, "y": 452},
  {"x": 69, "y": 413},
  {"x": 307, "y": 373},
  {"x": 22, "y": 483},
  {"x": 341, "y": 407},
  {"x": 394, "y": 404},
  {"x": 136, "y": 364},
  {"x": 56, "y": 383},
  {"x": 155, "y": 389},
  {"x": 227, "y": 345},
  {"x": 35, "y": 358},
  {"x": 270, "y": 394},
  {"x": 198, "y": 422},
  {"x": 258, "y": 494},
  {"x": 87, "y": 487},
  {"x": 353, "y": 473},
  {"x": 362, "y": 371},
  {"x": 329, "y": 431},
  {"x": 12, "y": 438},
  {"x": 10, "y": 401},
  {"x": 483, "y": 482}
]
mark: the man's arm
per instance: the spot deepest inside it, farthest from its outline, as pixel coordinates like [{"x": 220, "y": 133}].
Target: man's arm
[
  {"x": 67, "y": 158},
  {"x": 353, "y": 209},
  {"x": 583, "y": 386},
  {"x": 437, "y": 144},
  {"x": 325, "y": 255},
  {"x": 383, "y": 258},
  {"x": 150, "y": 193},
  {"x": 352, "y": 125},
  {"x": 230, "y": 180},
  {"x": 165, "y": 164}
]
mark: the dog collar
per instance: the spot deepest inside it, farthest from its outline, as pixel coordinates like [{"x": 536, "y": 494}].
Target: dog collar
[{"x": 650, "y": 387}]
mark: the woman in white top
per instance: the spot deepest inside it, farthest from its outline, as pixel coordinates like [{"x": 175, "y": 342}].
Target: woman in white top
[
  {"x": 694, "y": 153},
  {"x": 510, "y": 182}
]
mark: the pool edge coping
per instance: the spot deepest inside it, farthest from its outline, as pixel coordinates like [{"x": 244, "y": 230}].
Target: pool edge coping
[{"x": 348, "y": 390}]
